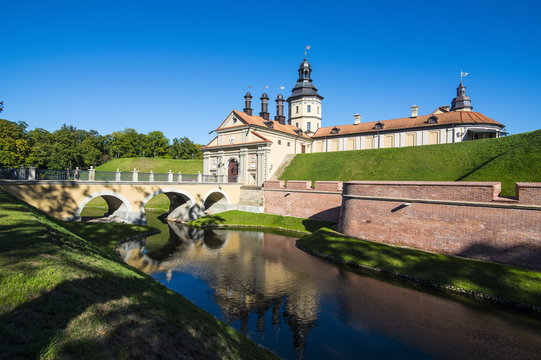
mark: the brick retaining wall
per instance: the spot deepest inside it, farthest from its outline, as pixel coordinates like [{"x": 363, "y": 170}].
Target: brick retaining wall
[
  {"x": 456, "y": 218},
  {"x": 300, "y": 200}
]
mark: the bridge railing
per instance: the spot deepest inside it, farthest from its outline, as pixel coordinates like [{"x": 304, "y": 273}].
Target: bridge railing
[{"x": 31, "y": 173}]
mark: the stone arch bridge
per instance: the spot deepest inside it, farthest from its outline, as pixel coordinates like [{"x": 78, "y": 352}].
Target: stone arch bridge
[{"x": 127, "y": 200}]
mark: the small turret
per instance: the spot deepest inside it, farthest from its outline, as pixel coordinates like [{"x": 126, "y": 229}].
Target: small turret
[
  {"x": 248, "y": 103},
  {"x": 462, "y": 102},
  {"x": 280, "y": 110},
  {"x": 264, "y": 106}
]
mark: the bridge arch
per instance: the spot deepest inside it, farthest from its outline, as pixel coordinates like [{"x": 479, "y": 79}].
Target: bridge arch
[
  {"x": 215, "y": 196},
  {"x": 116, "y": 203},
  {"x": 176, "y": 198}
]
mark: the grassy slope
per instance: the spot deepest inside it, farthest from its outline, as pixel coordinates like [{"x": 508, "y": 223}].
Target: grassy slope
[
  {"x": 508, "y": 159},
  {"x": 235, "y": 217},
  {"x": 63, "y": 297},
  {"x": 155, "y": 164},
  {"x": 518, "y": 285},
  {"x": 160, "y": 202}
]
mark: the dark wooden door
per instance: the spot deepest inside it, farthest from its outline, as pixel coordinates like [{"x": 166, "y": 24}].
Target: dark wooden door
[
  {"x": 233, "y": 170},
  {"x": 303, "y": 149}
]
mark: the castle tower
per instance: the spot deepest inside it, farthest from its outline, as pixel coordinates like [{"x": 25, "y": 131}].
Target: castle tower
[
  {"x": 305, "y": 103},
  {"x": 462, "y": 102}
]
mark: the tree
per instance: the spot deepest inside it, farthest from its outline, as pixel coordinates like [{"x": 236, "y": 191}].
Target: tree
[
  {"x": 42, "y": 147},
  {"x": 14, "y": 145},
  {"x": 126, "y": 143},
  {"x": 156, "y": 144},
  {"x": 184, "y": 148}
]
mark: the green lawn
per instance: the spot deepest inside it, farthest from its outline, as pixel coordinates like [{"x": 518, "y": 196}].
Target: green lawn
[
  {"x": 240, "y": 218},
  {"x": 507, "y": 160},
  {"x": 515, "y": 284},
  {"x": 64, "y": 294},
  {"x": 155, "y": 164},
  {"x": 159, "y": 202}
]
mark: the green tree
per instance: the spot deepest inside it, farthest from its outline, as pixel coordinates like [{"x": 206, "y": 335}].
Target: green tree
[
  {"x": 42, "y": 143},
  {"x": 157, "y": 144},
  {"x": 184, "y": 148},
  {"x": 14, "y": 145},
  {"x": 126, "y": 143}
]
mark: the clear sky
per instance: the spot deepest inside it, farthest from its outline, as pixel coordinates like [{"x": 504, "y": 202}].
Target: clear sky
[{"x": 181, "y": 67}]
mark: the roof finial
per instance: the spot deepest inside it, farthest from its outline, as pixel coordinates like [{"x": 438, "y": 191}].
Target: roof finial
[{"x": 306, "y": 48}]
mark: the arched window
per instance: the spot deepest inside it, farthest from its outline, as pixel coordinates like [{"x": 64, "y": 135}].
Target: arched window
[{"x": 296, "y": 109}]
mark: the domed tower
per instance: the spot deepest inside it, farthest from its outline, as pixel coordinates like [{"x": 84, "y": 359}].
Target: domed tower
[
  {"x": 305, "y": 103},
  {"x": 462, "y": 102}
]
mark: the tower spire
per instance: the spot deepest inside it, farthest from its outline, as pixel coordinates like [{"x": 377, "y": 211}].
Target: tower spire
[{"x": 461, "y": 102}]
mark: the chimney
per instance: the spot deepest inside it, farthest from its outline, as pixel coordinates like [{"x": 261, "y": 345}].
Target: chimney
[
  {"x": 414, "y": 111},
  {"x": 357, "y": 119},
  {"x": 264, "y": 106},
  {"x": 248, "y": 103},
  {"x": 280, "y": 110}
]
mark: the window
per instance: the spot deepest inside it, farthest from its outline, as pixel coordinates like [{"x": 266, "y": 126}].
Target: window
[
  {"x": 318, "y": 110},
  {"x": 335, "y": 130},
  {"x": 296, "y": 109},
  {"x": 308, "y": 125},
  {"x": 432, "y": 120},
  {"x": 379, "y": 126},
  {"x": 308, "y": 108},
  {"x": 297, "y": 124},
  {"x": 279, "y": 142},
  {"x": 288, "y": 143}
]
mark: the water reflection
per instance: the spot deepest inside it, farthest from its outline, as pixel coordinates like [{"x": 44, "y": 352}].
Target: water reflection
[{"x": 302, "y": 307}]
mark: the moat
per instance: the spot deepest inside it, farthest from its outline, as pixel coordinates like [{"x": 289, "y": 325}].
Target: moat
[{"x": 302, "y": 307}]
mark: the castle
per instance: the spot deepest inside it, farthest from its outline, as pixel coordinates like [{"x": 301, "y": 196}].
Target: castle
[{"x": 251, "y": 149}]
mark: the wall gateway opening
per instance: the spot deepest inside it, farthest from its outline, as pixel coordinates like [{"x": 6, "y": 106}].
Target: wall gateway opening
[{"x": 232, "y": 170}]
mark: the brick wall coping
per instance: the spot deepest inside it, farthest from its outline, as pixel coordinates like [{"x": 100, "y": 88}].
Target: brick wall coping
[
  {"x": 447, "y": 202},
  {"x": 529, "y": 184},
  {"x": 308, "y": 191},
  {"x": 426, "y": 183}
]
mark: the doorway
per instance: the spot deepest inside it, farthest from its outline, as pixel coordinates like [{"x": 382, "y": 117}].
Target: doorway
[{"x": 232, "y": 170}]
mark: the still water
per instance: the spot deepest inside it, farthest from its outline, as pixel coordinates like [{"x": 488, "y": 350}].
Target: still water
[{"x": 302, "y": 307}]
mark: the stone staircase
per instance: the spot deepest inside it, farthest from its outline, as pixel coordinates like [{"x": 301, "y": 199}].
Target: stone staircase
[{"x": 283, "y": 165}]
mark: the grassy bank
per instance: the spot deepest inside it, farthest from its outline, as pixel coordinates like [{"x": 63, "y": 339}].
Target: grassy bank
[
  {"x": 508, "y": 160},
  {"x": 236, "y": 218},
  {"x": 159, "y": 202},
  {"x": 500, "y": 281},
  {"x": 65, "y": 296},
  {"x": 154, "y": 164}
]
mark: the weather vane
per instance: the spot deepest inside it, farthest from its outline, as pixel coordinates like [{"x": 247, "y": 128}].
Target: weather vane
[
  {"x": 463, "y": 75},
  {"x": 306, "y": 48}
]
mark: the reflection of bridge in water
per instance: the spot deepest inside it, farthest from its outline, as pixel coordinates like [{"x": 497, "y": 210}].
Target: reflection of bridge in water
[
  {"x": 238, "y": 266},
  {"x": 262, "y": 282}
]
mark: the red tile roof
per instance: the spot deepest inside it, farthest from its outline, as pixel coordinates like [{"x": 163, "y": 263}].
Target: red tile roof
[
  {"x": 450, "y": 118},
  {"x": 259, "y": 121}
]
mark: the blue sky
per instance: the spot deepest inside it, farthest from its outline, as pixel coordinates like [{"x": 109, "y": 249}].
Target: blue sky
[{"x": 181, "y": 67}]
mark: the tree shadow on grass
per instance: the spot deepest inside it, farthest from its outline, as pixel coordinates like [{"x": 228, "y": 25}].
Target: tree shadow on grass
[{"x": 115, "y": 317}]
